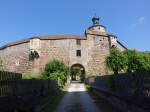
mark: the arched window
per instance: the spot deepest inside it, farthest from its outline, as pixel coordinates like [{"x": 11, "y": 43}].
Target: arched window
[{"x": 113, "y": 46}]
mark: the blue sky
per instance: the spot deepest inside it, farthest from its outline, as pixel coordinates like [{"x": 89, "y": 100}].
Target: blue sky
[{"x": 128, "y": 19}]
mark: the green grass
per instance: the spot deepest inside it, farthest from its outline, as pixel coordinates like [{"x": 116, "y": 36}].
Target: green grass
[{"x": 36, "y": 76}]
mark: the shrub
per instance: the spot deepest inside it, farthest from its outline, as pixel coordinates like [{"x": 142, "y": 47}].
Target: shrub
[
  {"x": 56, "y": 70},
  {"x": 89, "y": 88},
  {"x": 59, "y": 76}
]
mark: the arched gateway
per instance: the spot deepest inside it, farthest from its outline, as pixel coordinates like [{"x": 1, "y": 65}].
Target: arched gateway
[{"x": 77, "y": 72}]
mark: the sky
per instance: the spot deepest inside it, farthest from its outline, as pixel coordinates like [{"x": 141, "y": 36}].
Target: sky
[{"x": 129, "y": 20}]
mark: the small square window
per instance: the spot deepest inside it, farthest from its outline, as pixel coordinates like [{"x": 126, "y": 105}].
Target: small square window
[
  {"x": 78, "y": 42},
  {"x": 78, "y": 53}
]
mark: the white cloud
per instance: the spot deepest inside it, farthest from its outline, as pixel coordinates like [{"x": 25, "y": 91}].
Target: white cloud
[{"x": 139, "y": 21}]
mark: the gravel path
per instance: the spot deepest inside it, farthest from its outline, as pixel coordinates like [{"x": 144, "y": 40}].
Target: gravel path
[{"x": 77, "y": 100}]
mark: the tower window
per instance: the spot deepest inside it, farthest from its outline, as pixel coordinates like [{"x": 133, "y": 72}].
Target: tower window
[
  {"x": 78, "y": 42},
  {"x": 113, "y": 46},
  {"x": 78, "y": 53}
]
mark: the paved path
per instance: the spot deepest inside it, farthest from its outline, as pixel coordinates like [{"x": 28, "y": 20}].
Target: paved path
[{"x": 77, "y": 100}]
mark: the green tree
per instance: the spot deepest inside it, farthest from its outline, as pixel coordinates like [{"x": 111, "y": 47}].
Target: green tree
[
  {"x": 146, "y": 57},
  {"x": 76, "y": 71},
  {"x": 137, "y": 61},
  {"x": 116, "y": 61},
  {"x": 57, "y": 70}
]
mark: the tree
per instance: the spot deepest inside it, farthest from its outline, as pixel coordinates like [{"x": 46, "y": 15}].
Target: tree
[
  {"x": 137, "y": 61},
  {"x": 116, "y": 61},
  {"x": 56, "y": 70},
  {"x": 129, "y": 61},
  {"x": 76, "y": 71},
  {"x": 146, "y": 58}
]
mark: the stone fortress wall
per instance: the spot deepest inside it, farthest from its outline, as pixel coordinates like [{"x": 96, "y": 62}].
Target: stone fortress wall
[{"x": 94, "y": 47}]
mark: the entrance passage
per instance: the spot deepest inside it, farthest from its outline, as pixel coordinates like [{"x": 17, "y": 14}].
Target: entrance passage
[
  {"x": 77, "y": 100},
  {"x": 77, "y": 72}
]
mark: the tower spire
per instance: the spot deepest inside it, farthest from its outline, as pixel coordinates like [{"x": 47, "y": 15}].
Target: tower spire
[
  {"x": 96, "y": 26},
  {"x": 95, "y": 20}
]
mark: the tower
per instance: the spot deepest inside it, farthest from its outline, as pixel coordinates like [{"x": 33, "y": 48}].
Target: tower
[
  {"x": 98, "y": 47},
  {"x": 96, "y": 26}
]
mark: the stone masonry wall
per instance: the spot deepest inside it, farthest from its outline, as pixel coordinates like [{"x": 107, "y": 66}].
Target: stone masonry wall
[
  {"x": 94, "y": 50},
  {"x": 84, "y": 53},
  {"x": 64, "y": 50},
  {"x": 98, "y": 50},
  {"x": 53, "y": 49},
  {"x": 16, "y": 58}
]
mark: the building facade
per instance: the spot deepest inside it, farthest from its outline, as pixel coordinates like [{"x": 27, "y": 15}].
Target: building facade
[{"x": 87, "y": 52}]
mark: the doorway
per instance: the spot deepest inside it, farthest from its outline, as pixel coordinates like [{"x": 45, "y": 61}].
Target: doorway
[{"x": 77, "y": 72}]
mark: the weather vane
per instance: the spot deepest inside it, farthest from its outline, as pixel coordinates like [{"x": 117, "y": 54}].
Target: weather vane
[{"x": 94, "y": 10}]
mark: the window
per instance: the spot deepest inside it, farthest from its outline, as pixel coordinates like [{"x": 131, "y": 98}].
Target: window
[
  {"x": 78, "y": 52},
  {"x": 113, "y": 46},
  {"x": 78, "y": 42}
]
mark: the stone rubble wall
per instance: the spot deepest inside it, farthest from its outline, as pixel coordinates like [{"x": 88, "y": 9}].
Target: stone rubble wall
[
  {"x": 94, "y": 49},
  {"x": 16, "y": 58}
]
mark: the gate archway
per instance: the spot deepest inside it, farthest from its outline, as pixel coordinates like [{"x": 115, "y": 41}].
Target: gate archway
[{"x": 77, "y": 72}]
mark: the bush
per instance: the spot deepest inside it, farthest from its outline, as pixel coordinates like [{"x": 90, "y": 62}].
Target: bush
[
  {"x": 56, "y": 70},
  {"x": 89, "y": 88},
  {"x": 59, "y": 76}
]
